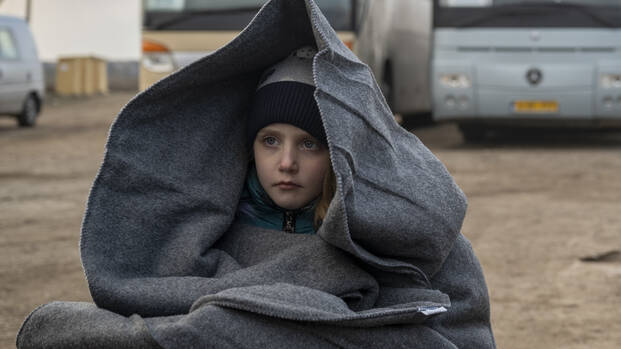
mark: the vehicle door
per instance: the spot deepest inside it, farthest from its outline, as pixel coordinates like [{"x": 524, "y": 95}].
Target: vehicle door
[{"x": 13, "y": 72}]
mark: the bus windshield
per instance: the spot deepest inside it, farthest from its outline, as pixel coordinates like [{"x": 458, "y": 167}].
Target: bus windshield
[
  {"x": 228, "y": 14},
  {"x": 528, "y": 13}
]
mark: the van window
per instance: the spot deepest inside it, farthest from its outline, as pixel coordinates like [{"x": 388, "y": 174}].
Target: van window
[{"x": 8, "y": 49}]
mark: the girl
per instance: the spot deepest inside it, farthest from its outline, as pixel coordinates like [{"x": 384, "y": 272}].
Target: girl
[
  {"x": 290, "y": 182},
  {"x": 343, "y": 231}
]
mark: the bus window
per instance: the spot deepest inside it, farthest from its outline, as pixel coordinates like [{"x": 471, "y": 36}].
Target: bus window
[
  {"x": 229, "y": 14},
  {"x": 528, "y": 13}
]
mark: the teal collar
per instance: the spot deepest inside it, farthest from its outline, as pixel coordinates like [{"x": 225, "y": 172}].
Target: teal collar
[{"x": 257, "y": 208}]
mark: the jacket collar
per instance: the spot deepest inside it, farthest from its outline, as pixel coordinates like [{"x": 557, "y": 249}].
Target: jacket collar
[{"x": 257, "y": 208}]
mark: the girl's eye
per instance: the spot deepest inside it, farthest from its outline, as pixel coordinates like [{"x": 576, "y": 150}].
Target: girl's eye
[
  {"x": 308, "y": 144},
  {"x": 270, "y": 140}
]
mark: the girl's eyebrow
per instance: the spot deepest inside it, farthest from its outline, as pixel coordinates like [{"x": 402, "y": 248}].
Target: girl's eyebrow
[
  {"x": 269, "y": 130},
  {"x": 280, "y": 134}
]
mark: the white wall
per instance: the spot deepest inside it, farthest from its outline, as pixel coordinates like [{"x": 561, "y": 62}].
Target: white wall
[{"x": 106, "y": 28}]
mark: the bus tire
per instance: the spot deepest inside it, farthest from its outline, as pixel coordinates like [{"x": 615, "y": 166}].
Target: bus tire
[
  {"x": 472, "y": 133},
  {"x": 387, "y": 85}
]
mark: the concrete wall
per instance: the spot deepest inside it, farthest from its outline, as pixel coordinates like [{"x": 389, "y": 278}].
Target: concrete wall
[
  {"x": 122, "y": 75},
  {"x": 104, "y": 28}
]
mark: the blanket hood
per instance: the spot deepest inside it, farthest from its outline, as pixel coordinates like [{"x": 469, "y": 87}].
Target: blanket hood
[{"x": 176, "y": 160}]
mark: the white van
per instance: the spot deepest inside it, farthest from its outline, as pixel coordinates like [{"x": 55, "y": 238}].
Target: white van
[{"x": 22, "y": 87}]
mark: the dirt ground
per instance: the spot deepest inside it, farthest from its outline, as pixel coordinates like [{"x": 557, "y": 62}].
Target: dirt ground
[{"x": 544, "y": 218}]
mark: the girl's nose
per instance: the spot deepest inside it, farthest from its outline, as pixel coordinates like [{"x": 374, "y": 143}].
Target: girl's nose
[{"x": 288, "y": 160}]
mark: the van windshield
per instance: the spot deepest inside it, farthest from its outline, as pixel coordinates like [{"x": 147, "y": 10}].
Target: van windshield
[
  {"x": 528, "y": 13},
  {"x": 228, "y": 14}
]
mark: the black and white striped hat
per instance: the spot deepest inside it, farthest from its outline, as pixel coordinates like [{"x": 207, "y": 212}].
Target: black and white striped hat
[{"x": 285, "y": 94}]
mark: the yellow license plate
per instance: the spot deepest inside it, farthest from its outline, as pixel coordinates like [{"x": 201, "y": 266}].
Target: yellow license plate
[{"x": 535, "y": 106}]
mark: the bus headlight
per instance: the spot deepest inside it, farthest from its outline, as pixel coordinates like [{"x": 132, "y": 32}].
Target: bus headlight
[
  {"x": 611, "y": 80},
  {"x": 455, "y": 80},
  {"x": 158, "y": 62},
  {"x": 463, "y": 102},
  {"x": 449, "y": 101},
  {"x": 156, "y": 57},
  {"x": 607, "y": 102}
]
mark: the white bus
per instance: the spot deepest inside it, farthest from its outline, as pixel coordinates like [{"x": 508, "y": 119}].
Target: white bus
[
  {"x": 395, "y": 41},
  {"x": 526, "y": 62}
]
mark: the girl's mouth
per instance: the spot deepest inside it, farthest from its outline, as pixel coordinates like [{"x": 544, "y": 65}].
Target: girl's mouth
[{"x": 287, "y": 185}]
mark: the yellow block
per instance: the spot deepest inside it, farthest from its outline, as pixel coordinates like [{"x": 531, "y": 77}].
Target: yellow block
[
  {"x": 535, "y": 106},
  {"x": 79, "y": 76}
]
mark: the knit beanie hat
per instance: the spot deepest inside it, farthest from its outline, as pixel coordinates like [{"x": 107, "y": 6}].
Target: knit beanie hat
[{"x": 285, "y": 95}]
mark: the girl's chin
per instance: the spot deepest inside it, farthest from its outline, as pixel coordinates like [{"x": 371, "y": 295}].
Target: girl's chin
[
  {"x": 288, "y": 204},
  {"x": 290, "y": 199}
]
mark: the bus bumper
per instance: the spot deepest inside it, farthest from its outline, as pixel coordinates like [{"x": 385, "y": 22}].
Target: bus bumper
[{"x": 553, "y": 108}]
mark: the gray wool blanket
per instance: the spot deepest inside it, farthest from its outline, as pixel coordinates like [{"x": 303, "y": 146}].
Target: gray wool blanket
[{"x": 167, "y": 267}]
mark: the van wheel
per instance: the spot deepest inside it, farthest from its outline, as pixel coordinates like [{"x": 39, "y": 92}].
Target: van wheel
[
  {"x": 30, "y": 111},
  {"x": 473, "y": 133}
]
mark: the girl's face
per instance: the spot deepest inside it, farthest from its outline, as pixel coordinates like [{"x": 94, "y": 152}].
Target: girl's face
[{"x": 291, "y": 164}]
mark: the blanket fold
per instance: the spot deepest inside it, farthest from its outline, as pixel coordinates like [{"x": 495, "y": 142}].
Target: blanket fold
[{"x": 167, "y": 266}]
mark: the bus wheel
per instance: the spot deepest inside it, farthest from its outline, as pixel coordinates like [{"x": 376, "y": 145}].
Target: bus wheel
[
  {"x": 472, "y": 133},
  {"x": 387, "y": 85}
]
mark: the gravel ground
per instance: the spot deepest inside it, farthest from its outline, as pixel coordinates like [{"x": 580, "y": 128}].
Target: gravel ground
[{"x": 543, "y": 217}]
